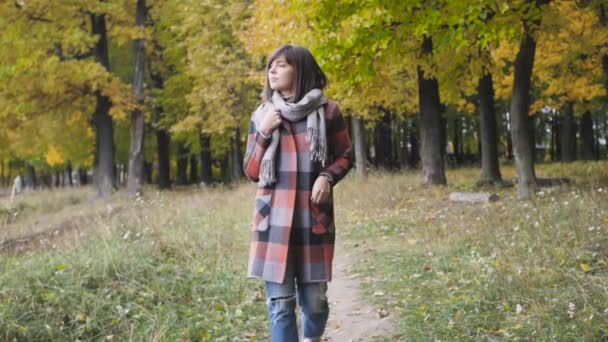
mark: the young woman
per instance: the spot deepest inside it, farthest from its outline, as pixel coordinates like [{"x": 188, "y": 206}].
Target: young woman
[{"x": 298, "y": 149}]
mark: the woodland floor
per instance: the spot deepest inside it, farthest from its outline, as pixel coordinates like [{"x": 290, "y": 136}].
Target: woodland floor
[{"x": 410, "y": 265}]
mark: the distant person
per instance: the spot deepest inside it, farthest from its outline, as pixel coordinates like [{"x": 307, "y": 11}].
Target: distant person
[
  {"x": 17, "y": 186},
  {"x": 298, "y": 149}
]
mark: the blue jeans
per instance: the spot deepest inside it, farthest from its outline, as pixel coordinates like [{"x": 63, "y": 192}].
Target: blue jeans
[{"x": 281, "y": 300}]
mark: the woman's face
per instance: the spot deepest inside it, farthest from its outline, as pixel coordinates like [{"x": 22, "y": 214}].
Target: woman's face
[{"x": 281, "y": 75}]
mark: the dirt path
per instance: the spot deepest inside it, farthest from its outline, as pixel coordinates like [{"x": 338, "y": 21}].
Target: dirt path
[{"x": 351, "y": 317}]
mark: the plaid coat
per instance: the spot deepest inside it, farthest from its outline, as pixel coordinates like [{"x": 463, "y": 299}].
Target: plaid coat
[{"x": 284, "y": 216}]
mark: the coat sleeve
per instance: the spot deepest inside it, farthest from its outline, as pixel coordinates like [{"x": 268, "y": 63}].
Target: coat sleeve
[
  {"x": 340, "y": 146},
  {"x": 256, "y": 146}
]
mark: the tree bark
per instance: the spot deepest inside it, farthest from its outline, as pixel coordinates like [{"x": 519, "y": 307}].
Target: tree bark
[
  {"x": 54, "y": 180},
  {"x": 182, "y": 164},
  {"x": 490, "y": 168},
  {"x": 568, "y": 134},
  {"x": 135, "y": 181},
  {"x": 46, "y": 180},
  {"x": 193, "y": 169},
  {"x": 605, "y": 129},
  {"x": 148, "y": 167},
  {"x": 457, "y": 139},
  {"x": 163, "y": 141},
  {"x": 508, "y": 135},
  {"x": 206, "y": 158},
  {"x": 360, "y": 149},
  {"x": 403, "y": 142},
  {"x": 555, "y": 146},
  {"x": 587, "y": 137},
  {"x": 520, "y": 123},
  {"x": 82, "y": 173},
  {"x": 224, "y": 166},
  {"x": 431, "y": 121},
  {"x": 104, "y": 127},
  {"x": 30, "y": 180},
  {"x": 476, "y": 138},
  {"x": 532, "y": 132},
  {"x": 69, "y": 174},
  {"x": 237, "y": 156},
  {"x": 383, "y": 141},
  {"x": 414, "y": 143}
]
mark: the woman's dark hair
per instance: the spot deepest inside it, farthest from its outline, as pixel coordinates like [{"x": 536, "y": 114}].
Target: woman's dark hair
[{"x": 308, "y": 73}]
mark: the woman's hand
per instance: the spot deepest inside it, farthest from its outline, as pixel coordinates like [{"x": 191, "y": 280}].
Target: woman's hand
[
  {"x": 321, "y": 190},
  {"x": 271, "y": 121}
]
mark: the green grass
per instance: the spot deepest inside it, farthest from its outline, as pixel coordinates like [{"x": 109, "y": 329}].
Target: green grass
[
  {"x": 167, "y": 268},
  {"x": 502, "y": 271},
  {"x": 172, "y": 266}
]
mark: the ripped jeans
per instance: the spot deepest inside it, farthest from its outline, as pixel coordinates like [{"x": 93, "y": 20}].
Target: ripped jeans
[{"x": 281, "y": 300}]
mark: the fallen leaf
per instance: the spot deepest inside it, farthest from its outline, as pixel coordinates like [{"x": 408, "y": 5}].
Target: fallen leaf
[{"x": 382, "y": 313}]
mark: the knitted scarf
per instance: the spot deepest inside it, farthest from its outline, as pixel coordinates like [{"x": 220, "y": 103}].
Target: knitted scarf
[{"x": 309, "y": 107}]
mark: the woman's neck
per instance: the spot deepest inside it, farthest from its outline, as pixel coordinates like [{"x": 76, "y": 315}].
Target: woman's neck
[{"x": 286, "y": 93}]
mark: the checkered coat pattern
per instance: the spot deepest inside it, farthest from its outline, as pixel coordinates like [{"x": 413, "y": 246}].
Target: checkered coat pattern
[{"x": 284, "y": 216}]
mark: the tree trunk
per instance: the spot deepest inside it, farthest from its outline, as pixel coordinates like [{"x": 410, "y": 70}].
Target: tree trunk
[
  {"x": 69, "y": 174},
  {"x": 532, "y": 131},
  {"x": 587, "y": 136},
  {"x": 490, "y": 168},
  {"x": 431, "y": 120},
  {"x": 360, "y": 151},
  {"x": 520, "y": 124},
  {"x": 403, "y": 142},
  {"x": 477, "y": 139},
  {"x": 83, "y": 177},
  {"x": 224, "y": 166},
  {"x": 163, "y": 140},
  {"x": 596, "y": 141},
  {"x": 605, "y": 119},
  {"x": 508, "y": 135},
  {"x": 205, "y": 158},
  {"x": 104, "y": 127},
  {"x": 54, "y": 180},
  {"x": 555, "y": 146},
  {"x": 30, "y": 180},
  {"x": 457, "y": 139},
  {"x": 148, "y": 168},
  {"x": 117, "y": 169},
  {"x": 395, "y": 128},
  {"x": 414, "y": 143},
  {"x": 136, "y": 175},
  {"x": 9, "y": 177},
  {"x": 237, "y": 156},
  {"x": 46, "y": 180},
  {"x": 193, "y": 169},
  {"x": 568, "y": 134},
  {"x": 182, "y": 164},
  {"x": 465, "y": 149},
  {"x": 383, "y": 141}
]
